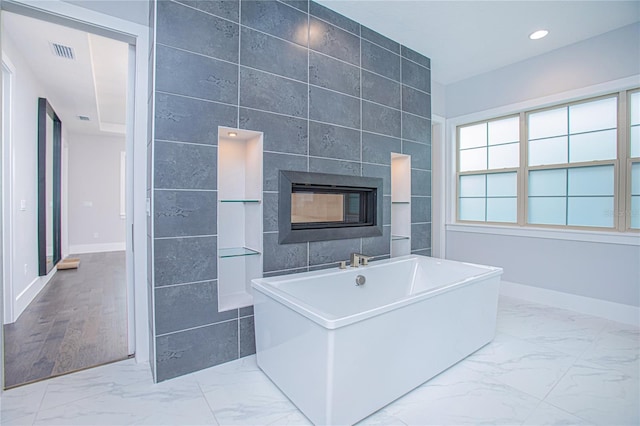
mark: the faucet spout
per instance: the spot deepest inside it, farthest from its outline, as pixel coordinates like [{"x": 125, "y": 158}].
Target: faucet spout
[{"x": 356, "y": 259}]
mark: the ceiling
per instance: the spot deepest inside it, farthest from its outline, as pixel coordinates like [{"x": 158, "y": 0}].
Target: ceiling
[
  {"x": 94, "y": 84},
  {"x": 466, "y": 38},
  {"x": 462, "y": 38}
]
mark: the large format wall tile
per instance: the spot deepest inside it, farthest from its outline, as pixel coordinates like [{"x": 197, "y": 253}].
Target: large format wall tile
[
  {"x": 338, "y": 167},
  {"x": 326, "y": 140},
  {"x": 247, "y": 336},
  {"x": 283, "y": 256},
  {"x": 184, "y": 260},
  {"x": 195, "y": 349},
  {"x": 379, "y": 119},
  {"x": 190, "y": 120},
  {"x": 378, "y": 148},
  {"x": 184, "y": 213},
  {"x": 334, "y": 251},
  {"x": 379, "y": 39},
  {"x": 333, "y": 41},
  {"x": 273, "y": 163},
  {"x": 416, "y": 76},
  {"x": 328, "y": 95},
  {"x": 420, "y": 209},
  {"x": 269, "y": 92},
  {"x": 334, "y": 18},
  {"x": 379, "y": 89},
  {"x": 277, "y": 19},
  {"x": 179, "y": 307},
  {"x": 416, "y": 102},
  {"x": 380, "y": 60},
  {"x": 280, "y": 133},
  {"x": 335, "y": 108},
  {"x": 185, "y": 166},
  {"x": 200, "y": 76},
  {"x": 267, "y": 53},
  {"x": 415, "y": 57},
  {"x": 420, "y": 182},
  {"x": 181, "y": 26},
  {"x": 420, "y": 236},
  {"x": 324, "y": 71},
  {"x": 416, "y": 128},
  {"x": 420, "y": 154},
  {"x": 224, "y": 8}
]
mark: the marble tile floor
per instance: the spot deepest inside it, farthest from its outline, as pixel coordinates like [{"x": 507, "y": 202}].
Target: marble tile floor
[{"x": 545, "y": 366}]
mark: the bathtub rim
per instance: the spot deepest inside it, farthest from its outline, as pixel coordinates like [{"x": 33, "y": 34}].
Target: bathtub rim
[{"x": 332, "y": 322}]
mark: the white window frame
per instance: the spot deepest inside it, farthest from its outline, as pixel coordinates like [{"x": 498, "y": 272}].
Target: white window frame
[{"x": 626, "y": 237}]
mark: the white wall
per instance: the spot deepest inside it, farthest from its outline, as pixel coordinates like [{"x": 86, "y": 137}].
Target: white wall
[
  {"x": 610, "y": 56},
  {"x": 438, "y": 99},
  {"x": 24, "y": 266},
  {"x": 93, "y": 206},
  {"x": 597, "y": 266}
]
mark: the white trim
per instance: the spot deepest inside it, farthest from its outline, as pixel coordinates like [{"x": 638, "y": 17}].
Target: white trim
[
  {"x": 123, "y": 184},
  {"x": 27, "y": 295},
  {"x": 438, "y": 186},
  {"x": 602, "y": 308},
  {"x": 137, "y": 292},
  {"x": 621, "y": 238},
  {"x": 96, "y": 248},
  {"x": 7, "y": 194}
]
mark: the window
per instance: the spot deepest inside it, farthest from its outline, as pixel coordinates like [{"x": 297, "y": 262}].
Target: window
[
  {"x": 634, "y": 161},
  {"x": 488, "y": 159},
  {"x": 567, "y": 159}
]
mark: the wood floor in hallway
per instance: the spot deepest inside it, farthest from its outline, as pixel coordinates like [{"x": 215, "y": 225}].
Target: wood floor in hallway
[{"x": 78, "y": 320}]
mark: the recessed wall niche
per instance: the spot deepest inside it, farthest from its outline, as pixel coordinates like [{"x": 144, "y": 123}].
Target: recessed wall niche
[
  {"x": 400, "y": 204},
  {"x": 239, "y": 215}
]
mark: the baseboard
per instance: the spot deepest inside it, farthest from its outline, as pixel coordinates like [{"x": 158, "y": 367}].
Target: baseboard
[
  {"x": 28, "y": 294},
  {"x": 601, "y": 308},
  {"x": 96, "y": 248}
]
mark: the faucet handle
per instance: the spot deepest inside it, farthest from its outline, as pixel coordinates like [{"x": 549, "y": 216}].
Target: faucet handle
[{"x": 355, "y": 260}]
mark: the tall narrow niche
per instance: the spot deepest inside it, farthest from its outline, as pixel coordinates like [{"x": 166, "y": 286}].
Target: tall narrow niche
[
  {"x": 400, "y": 204},
  {"x": 239, "y": 216}
]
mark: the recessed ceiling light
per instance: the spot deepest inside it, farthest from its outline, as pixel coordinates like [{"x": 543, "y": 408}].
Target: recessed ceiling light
[
  {"x": 536, "y": 35},
  {"x": 232, "y": 134}
]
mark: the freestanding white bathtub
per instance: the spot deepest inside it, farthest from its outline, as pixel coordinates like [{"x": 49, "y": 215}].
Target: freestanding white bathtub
[{"x": 341, "y": 352}]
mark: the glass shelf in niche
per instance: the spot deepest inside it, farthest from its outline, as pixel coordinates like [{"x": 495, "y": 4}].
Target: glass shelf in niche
[
  {"x": 236, "y": 251},
  {"x": 240, "y": 201},
  {"x": 399, "y": 237}
]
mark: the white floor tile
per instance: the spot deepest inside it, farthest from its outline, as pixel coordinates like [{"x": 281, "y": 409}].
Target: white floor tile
[
  {"x": 463, "y": 396},
  {"x": 244, "y": 398},
  {"x": 598, "y": 394},
  {"x": 72, "y": 387},
  {"x": 528, "y": 367},
  {"x": 21, "y": 401},
  {"x": 547, "y": 414},
  {"x": 175, "y": 402}
]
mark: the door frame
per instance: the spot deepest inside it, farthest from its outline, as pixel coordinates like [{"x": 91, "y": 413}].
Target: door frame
[
  {"x": 137, "y": 36},
  {"x": 8, "y": 72}
]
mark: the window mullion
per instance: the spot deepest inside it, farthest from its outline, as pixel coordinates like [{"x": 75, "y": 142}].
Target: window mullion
[
  {"x": 622, "y": 194},
  {"x": 522, "y": 172}
]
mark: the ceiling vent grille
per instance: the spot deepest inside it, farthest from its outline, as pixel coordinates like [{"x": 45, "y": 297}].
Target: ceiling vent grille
[{"x": 62, "y": 51}]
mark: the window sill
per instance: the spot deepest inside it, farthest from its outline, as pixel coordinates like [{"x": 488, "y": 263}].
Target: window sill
[{"x": 622, "y": 238}]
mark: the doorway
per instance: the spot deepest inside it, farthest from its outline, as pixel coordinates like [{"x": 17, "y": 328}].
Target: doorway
[{"x": 61, "y": 316}]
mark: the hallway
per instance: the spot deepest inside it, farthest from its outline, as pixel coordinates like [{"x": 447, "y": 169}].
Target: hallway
[{"x": 78, "y": 321}]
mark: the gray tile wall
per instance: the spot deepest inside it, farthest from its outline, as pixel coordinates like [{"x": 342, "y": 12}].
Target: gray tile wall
[{"x": 329, "y": 95}]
